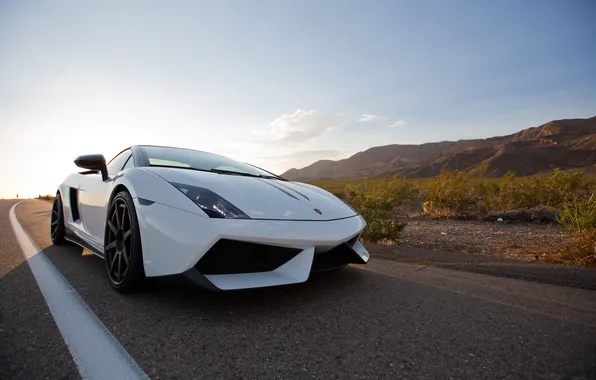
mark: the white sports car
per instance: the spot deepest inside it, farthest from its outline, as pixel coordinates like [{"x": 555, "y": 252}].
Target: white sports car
[{"x": 158, "y": 211}]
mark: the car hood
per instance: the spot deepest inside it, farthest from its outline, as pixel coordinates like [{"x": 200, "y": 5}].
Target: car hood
[{"x": 264, "y": 198}]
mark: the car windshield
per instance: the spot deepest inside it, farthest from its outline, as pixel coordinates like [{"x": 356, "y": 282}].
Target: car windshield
[{"x": 197, "y": 160}]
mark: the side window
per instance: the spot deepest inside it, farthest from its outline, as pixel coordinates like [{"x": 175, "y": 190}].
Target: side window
[
  {"x": 130, "y": 163},
  {"x": 117, "y": 163}
]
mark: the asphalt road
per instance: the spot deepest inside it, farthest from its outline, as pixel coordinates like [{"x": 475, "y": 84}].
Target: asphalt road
[{"x": 383, "y": 320}]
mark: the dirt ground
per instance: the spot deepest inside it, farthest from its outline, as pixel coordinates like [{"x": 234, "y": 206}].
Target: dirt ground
[{"x": 519, "y": 241}]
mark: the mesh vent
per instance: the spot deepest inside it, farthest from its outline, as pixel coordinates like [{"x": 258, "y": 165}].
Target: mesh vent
[{"x": 234, "y": 257}]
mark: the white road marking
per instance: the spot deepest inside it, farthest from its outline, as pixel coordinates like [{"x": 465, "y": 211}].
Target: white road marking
[{"x": 96, "y": 352}]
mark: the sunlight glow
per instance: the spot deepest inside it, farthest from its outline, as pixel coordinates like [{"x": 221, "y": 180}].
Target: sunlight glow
[{"x": 277, "y": 84}]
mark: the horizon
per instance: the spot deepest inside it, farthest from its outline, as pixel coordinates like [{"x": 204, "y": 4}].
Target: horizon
[
  {"x": 280, "y": 85},
  {"x": 441, "y": 141}
]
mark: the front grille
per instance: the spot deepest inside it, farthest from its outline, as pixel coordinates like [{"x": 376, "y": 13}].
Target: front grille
[{"x": 234, "y": 257}]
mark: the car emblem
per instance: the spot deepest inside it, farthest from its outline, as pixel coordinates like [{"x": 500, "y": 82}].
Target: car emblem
[{"x": 318, "y": 211}]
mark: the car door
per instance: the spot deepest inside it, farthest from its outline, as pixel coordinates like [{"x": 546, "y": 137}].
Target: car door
[{"x": 93, "y": 197}]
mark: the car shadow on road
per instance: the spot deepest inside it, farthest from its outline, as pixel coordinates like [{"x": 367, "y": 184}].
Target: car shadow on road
[
  {"x": 86, "y": 273},
  {"x": 161, "y": 298}
]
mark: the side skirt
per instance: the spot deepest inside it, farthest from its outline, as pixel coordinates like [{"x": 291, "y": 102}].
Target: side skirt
[{"x": 80, "y": 242}]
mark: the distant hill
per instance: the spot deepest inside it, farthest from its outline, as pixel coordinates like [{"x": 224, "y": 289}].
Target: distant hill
[{"x": 564, "y": 144}]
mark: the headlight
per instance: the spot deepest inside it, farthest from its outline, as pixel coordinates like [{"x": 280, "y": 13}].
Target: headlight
[{"x": 211, "y": 203}]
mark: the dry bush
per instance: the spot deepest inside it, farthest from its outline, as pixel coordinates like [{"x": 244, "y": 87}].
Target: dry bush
[
  {"x": 47, "y": 197},
  {"x": 579, "y": 218},
  {"x": 472, "y": 195},
  {"x": 378, "y": 202},
  {"x": 381, "y": 228},
  {"x": 460, "y": 194}
]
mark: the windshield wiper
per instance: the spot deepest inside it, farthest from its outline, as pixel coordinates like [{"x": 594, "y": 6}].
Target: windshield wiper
[
  {"x": 221, "y": 171},
  {"x": 244, "y": 174},
  {"x": 178, "y": 167}
]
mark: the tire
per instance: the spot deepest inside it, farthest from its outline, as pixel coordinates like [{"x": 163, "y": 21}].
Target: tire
[
  {"x": 123, "y": 251},
  {"x": 57, "y": 222}
]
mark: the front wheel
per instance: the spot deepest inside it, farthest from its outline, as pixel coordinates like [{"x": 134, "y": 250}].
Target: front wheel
[
  {"x": 123, "y": 252},
  {"x": 57, "y": 222}
]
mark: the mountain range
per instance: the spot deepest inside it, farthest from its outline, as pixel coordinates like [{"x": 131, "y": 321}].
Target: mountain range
[{"x": 563, "y": 144}]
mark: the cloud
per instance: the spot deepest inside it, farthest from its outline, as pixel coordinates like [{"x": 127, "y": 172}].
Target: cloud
[
  {"x": 309, "y": 155},
  {"x": 366, "y": 117},
  {"x": 298, "y": 127},
  {"x": 397, "y": 123}
]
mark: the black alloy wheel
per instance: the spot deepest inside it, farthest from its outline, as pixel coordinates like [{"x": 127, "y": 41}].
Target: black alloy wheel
[
  {"x": 57, "y": 222},
  {"x": 123, "y": 256}
]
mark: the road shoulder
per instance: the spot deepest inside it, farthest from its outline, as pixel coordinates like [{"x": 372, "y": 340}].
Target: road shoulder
[{"x": 554, "y": 274}]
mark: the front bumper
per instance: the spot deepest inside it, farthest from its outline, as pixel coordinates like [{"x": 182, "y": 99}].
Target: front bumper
[{"x": 174, "y": 242}]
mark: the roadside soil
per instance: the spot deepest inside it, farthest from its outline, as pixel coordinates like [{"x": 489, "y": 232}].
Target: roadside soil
[
  {"x": 500, "y": 249},
  {"x": 522, "y": 241}
]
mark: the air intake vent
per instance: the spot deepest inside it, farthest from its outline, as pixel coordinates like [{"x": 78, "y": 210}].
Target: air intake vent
[
  {"x": 335, "y": 258},
  {"x": 234, "y": 257},
  {"x": 74, "y": 203}
]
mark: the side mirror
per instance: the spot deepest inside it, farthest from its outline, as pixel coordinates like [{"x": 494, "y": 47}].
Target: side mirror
[{"x": 93, "y": 162}]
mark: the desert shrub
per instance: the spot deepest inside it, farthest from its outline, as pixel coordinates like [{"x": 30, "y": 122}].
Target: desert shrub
[
  {"x": 551, "y": 191},
  {"x": 475, "y": 193},
  {"x": 378, "y": 202},
  {"x": 467, "y": 193},
  {"x": 385, "y": 194},
  {"x": 47, "y": 197},
  {"x": 460, "y": 193},
  {"x": 579, "y": 218},
  {"x": 381, "y": 228},
  {"x": 562, "y": 188}
]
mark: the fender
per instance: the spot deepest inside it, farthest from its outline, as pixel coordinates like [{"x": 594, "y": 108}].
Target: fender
[
  {"x": 149, "y": 191},
  {"x": 151, "y": 188}
]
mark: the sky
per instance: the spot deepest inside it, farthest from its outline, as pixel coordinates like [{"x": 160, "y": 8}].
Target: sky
[{"x": 277, "y": 83}]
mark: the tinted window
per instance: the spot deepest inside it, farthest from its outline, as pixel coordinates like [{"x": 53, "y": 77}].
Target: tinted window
[
  {"x": 129, "y": 164},
  {"x": 117, "y": 162},
  {"x": 194, "y": 159}
]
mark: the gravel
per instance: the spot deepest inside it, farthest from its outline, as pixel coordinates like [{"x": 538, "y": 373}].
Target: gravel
[{"x": 519, "y": 241}]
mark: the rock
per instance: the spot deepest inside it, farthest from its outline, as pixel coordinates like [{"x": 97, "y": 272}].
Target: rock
[
  {"x": 543, "y": 215},
  {"x": 539, "y": 214}
]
